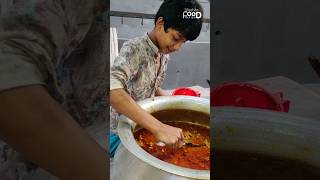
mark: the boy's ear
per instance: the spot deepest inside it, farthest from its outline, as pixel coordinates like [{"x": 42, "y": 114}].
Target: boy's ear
[{"x": 159, "y": 23}]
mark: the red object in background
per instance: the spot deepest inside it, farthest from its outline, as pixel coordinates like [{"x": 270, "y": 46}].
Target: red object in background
[
  {"x": 247, "y": 95},
  {"x": 186, "y": 91}
]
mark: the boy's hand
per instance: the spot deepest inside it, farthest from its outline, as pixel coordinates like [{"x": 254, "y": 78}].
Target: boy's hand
[
  {"x": 169, "y": 135},
  {"x": 161, "y": 92}
]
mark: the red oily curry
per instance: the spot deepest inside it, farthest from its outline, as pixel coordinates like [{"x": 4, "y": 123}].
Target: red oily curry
[{"x": 195, "y": 154}]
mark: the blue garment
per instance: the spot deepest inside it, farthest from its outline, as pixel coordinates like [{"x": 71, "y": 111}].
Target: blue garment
[{"x": 114, "y": 143}]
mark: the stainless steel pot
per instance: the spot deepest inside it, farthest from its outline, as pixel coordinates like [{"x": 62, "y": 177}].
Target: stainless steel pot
[
  {"x": 131, "y": 162},
  {"x": 267, "y": 132}
]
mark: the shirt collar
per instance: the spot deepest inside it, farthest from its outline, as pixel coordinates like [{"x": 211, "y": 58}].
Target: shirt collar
[{"x": 154, "y": 48}]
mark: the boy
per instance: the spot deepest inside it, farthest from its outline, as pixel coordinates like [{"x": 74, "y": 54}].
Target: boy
[{"x": 140, "y": 68}]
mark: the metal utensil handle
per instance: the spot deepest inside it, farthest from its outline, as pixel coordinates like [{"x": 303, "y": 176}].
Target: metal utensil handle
[{"x": 161, "y": 144}]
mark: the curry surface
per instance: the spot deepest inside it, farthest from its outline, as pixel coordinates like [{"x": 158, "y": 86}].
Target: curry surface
[{"x": 195, "y": 131}]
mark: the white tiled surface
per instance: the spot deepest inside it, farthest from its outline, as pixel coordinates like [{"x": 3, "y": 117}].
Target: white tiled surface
[{"x": 304, "y": 101}]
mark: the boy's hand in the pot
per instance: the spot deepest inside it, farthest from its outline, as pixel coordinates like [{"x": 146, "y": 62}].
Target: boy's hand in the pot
[{"x": 170, "y": 135}]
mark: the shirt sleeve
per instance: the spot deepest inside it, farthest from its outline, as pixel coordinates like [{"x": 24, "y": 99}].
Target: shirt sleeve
[
  {"x": 125, "y": 67},
  {"x": 35, "y": 36},
  {"x": 16, "y": 70}
]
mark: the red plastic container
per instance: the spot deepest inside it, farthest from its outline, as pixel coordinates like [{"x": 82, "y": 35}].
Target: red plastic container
[
  {"x": 247, "y": 95},
  {"x": 185, "y": 91}
]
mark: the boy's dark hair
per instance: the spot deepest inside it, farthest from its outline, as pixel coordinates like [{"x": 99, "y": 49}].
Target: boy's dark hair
[{"x": 172, "y": 13}]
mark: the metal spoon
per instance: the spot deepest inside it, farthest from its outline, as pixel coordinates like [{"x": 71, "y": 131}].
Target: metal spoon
[
  {"x": 162, "y": 144},
  {"x": 194, "y": 145}
]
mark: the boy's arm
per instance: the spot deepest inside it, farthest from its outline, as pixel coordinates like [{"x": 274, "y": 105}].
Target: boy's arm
[
  {"x": 161, "y": 92},
  {"x": 37, "y": 126},
  {"x": 124, "y": 104},
  {"x": 125, "y": 68}
]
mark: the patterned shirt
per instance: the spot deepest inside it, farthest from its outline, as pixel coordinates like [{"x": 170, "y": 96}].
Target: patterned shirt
[
  {"x": 135, "y": 70},
  {"x": 63, "y": 46}
]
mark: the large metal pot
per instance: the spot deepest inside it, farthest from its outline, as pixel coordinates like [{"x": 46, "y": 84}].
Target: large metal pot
[
  {"x": 131, "y": 162},
  {"x": 267, "y": 132}
]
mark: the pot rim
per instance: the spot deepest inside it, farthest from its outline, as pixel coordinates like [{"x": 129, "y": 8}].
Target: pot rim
[{"x": 125, "y": 127}]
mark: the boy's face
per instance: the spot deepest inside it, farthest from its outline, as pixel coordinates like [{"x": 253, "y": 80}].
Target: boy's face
[{"x": 169, "y": 41}]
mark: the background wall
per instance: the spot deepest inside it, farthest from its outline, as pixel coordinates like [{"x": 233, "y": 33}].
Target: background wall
[{"x": 257, "y": 39}]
